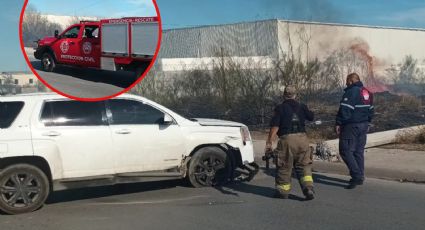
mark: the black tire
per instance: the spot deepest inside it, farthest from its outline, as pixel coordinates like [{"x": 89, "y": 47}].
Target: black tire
[
  {"x": 209, "y": 166},
  {"x": 48, "y": 62},
  {"x": 23, "y": 188}
]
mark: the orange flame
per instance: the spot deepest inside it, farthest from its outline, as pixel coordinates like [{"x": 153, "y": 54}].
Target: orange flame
[{"x": 361, "y": 48}]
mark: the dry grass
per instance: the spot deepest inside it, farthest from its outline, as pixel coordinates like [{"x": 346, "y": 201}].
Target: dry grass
[
  {"x": 411, "y": 136},
  {"x": 322, "y": 133},
  {"x": 410, "y": 103},
  {"x": 392, "y": 112}
]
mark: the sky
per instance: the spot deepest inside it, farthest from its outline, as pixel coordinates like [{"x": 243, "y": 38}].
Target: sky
[
  {"x": 98, "y": 8},
  {"x": 11, "y": 58},
  {"x": 394, "y": 13},
  {"x": 186, "y": 13}
]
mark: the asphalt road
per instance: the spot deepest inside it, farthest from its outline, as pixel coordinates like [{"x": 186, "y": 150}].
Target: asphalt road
[
  {"x": 83, "y": 82},
  {"x": 378, "y": 204}
]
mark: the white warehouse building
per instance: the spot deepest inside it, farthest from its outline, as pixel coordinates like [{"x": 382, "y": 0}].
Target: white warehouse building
[
  {"x": 266, "y": 41},
  {"x": 269, "y": 40}
]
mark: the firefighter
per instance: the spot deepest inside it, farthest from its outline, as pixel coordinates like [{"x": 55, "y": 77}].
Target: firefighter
[
  {"x": 292, "y": 150},
  {"x": 352, "y": 124}
]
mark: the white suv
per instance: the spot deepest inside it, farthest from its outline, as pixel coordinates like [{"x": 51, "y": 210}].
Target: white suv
[{"x": 49, "y": 143}]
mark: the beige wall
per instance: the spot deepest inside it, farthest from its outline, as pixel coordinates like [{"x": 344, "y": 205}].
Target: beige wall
[
  {"x": 22, "y": 79},
  {"x": 386, "y": 46}
]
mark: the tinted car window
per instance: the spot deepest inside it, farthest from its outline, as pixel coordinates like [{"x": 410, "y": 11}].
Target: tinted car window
[
  {"x": 134, "y": 112},
  {"x": 72, "y": 33},
  {"x": 8, "y": 112},
  {"x": 91, "y": 31},
  {"x": 72, "y": 113}
]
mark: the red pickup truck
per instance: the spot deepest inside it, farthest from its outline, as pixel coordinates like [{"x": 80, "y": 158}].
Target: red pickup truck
[{"x": 112, "y": 44}]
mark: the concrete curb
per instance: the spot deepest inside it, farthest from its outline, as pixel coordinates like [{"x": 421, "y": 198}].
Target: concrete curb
[{"x": 375, "y": 139}]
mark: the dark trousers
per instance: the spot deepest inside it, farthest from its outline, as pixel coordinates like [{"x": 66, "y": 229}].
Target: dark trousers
[{"x": 352, "y": 141}]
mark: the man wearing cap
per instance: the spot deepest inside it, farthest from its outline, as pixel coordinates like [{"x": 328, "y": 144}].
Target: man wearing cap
[
  {"x": 293, "y": 151},
  {"x": 352, "y": 124}
]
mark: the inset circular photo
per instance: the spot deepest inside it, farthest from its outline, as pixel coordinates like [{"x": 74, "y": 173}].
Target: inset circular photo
[{"x": 90, "y": 50}]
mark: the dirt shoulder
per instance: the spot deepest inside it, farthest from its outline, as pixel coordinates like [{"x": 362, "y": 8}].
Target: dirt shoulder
[{"x": 407, "y": 147}]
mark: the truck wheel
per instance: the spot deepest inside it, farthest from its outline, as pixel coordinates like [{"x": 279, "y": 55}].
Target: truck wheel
[
  {"x": 210, "y": 166},
  {"x": 48, "y": 63},
  {"x": 140, "y": 70},
  {"x": 23, "y": 188}
]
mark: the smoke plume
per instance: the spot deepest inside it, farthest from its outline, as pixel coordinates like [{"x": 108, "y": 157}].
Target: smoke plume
[
  {"x": 362, "y": 51},
  {"x": 304, "y": 10}
]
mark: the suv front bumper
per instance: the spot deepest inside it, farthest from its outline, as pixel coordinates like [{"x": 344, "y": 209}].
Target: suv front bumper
[
  {"x": 38, "y": 53},
  {"x": 248, "y": 171}
]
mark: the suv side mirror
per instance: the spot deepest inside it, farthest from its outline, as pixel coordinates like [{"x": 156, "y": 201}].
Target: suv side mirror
[
  {"x": 168, "y": 120},
  {"x": 56, "y": 33}
]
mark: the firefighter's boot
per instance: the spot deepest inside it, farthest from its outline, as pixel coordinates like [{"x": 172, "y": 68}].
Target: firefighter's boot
[
  {"x": 308, "y": 193},
  {"x": 282, "y": 191}
]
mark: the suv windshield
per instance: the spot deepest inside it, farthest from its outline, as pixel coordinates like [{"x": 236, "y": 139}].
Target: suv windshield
[
  {"x": 8, "y": 112},
  {"x": 72, "y": 33}
]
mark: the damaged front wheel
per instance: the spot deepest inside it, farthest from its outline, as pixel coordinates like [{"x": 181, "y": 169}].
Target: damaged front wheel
[{"x": 210, "y": 166}]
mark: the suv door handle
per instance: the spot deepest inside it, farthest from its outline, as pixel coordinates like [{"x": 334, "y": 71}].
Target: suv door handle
[
  {"x": 51, "y": 134},
  {"x": 72, "y": 43},
  {"x": 123, "y": 131}
]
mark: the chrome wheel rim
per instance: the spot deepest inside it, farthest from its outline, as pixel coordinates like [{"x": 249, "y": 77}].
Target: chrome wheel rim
[{"x": 46, "y": 62}]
